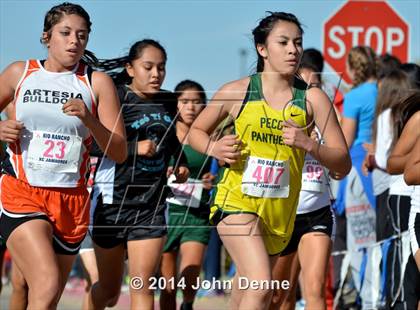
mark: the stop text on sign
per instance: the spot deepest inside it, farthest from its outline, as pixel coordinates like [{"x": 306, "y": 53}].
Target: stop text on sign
[
  {"x": 364, "y": 23},
  {"x": 373, "y": 35}
]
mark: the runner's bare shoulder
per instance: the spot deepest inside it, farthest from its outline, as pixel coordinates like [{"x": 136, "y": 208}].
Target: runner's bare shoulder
[{"x": 232, "y": 94}]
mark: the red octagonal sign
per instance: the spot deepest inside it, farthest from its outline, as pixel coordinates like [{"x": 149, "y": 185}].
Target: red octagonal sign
[{"x": 372, "y": 23}]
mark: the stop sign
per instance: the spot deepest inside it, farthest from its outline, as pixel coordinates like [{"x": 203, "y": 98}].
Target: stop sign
[{"x": 371, "y": 23}]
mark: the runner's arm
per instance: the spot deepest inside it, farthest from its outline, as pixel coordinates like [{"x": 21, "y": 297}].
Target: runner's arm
[
  {"x": 227, "y": 100},
  {"x": 399, "y": 155},
  {"x": 9, "y": 79},
  {"x": 108, "y": 130},
  {"x": 412, "y": 167},
  {"x": 334, "y": 154}
]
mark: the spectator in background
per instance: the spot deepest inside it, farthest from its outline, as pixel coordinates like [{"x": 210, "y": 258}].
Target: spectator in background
[
  {"x": 401, "y": 294},
  {"x": 393, "y": 212},
  {"x": 413, "y": 72},
  {"x": 355, "y": 196},
  {"x": 359, "y": 107},
  {"x": 411, "y": 177},
  {"x": 386, "y": 64},
  {"x": 392, "y": 88}
]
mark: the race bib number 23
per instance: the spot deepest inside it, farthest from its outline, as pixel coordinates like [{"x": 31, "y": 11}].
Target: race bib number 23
[{"x": 54, "y": 152}]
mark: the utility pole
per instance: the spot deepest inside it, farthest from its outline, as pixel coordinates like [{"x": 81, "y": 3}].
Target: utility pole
[{"x": 243, "y": 55}]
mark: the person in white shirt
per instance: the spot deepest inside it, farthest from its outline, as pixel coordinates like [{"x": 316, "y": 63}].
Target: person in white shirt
[{"x": 409, "y": 109}]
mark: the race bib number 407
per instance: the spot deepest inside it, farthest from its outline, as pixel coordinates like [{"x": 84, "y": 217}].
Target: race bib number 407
[
  {"x": 54, "y": 152},
  {"x": 266, "y": 178}
]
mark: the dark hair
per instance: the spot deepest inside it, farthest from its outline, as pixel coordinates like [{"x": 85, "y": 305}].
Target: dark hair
[
  {"x": 403, "y": 112},
  {"x": 312, "y": 59},
  {"x": 54, "y": 16},
  {"x": 314, "y": 70},
  {"x": 393, "y": 88},
  {"x": 386, "y": 64},
  {"x": 413, "y": 72},
  {"x": 363, "y": 60},
  {"x": 111, "y": 66},
  {"x": 264, "y": 28},
  {"x": 188, "y": 84},
  {"x": 306, "y": 65}
]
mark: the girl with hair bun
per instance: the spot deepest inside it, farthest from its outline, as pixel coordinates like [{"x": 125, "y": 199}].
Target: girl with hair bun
[{"x": 358, "y": 114}]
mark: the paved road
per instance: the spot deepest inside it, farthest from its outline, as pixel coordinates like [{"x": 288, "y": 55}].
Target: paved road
[{"x": 72, "y": 300}]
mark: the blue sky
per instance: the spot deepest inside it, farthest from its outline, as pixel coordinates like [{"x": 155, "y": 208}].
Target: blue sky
[{"x": 202, "y": 38}]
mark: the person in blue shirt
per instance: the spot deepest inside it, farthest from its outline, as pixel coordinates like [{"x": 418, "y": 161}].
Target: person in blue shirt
[
  {"x": 359, "y": 103},
  {"x": 359, "y": 109},
  {"x": 357, "y": 119}
]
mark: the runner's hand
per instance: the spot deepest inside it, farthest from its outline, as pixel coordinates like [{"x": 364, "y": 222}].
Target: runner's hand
[
  {"x": 169, "y": 171},
  {"x": 10, "y": 130},
  {"x": 207, "y": 179},
  {"x": 369, "y": 148},
  {"x": 146, "y": 148},
  {"x": 336, "y": 176},
  {"x": 369, "y": 162},
  {"x": 314, "y": 135},
  {"x": 77, "y": 107},
  {"x": 182, "y": 174},
  {"x": 295, "y": 136},
  {"x": 227, "y": 149}
]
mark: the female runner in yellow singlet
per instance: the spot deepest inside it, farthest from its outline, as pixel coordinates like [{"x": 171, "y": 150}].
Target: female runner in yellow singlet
[{"x": 256, "y": 198}]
